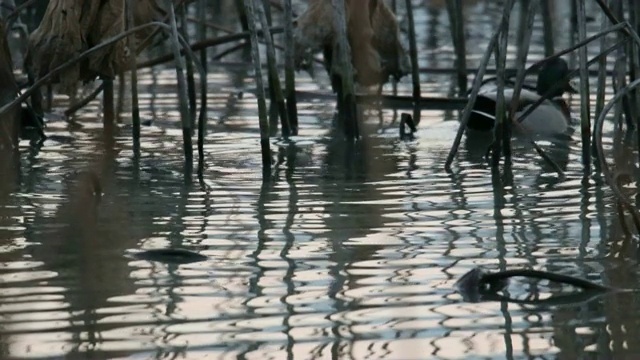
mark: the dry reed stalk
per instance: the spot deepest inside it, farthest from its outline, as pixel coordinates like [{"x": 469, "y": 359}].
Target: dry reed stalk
[
  {"x": 191, "y": 82},
  {"x": 501, "y": 59},
  {"x": 413, "y": 52},
  {"x": 521, "y": 63},
  {"x": 275, "y": 89},
  {"x": 183, "y": 97},
  {"x": 342, "y": 68},
  {"x": 456, "y": 21},
  {"x": 289, "y": 74},
  {"x": 265, "y": 145},
  {"x": 585, "y": 107},
  {"x": 547, "y": 24},
  {"x": 133, "y": 78},
  {"x": 466, "y": 113}
]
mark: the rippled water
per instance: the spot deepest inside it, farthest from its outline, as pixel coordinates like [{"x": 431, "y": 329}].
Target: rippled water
[{"x": 347, "y": 253}]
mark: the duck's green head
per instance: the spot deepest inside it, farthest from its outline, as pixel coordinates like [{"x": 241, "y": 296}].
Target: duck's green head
[{"x": 551, "y": 73}]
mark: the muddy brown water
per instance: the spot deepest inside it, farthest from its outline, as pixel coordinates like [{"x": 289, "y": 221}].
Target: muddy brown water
[{"x": 347, "y": 253}]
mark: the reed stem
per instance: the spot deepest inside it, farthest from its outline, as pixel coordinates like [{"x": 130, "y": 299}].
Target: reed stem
[
  {"x": 413, "y": 51},
  {"x": 187, "y": 130},
  {"x": 275, "y": 89},
  {"x": 135, "y": 105},
  {"x": 191, "y": 82},
  {"x": 265, "y": 145},
  {"x": 466, "y": 113},
  {"x": 547, "y": 23},
  {"x": 289, "y": 74},
  {"x": 585, "y": 108},
  {"x": 202, "y": 30},
  {"x": 456, "y": 20},
  {"x": 521, "y": 64},
  {"x": 501, "y": 59},
  {"x": 342, "y": 69}
]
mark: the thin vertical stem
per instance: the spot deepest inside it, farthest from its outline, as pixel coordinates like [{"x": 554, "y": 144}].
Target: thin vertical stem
[
  {"x": 202, "y": 30},
  {"x": 454, "y": 9},
  {"x": 526, "y": 30},
  {"x": 275, "y": 92},
  {"x": 262, "y": 104},
  {"x": 191, "y": 82},
  {"x": 122, "y": 88},
  {"x": 634, "y": 65},
  {"x": 466, "y": 113},
  {"x": 584, "y": 88},
  {"x": 289, "y": 74},
  {"x": 182, "y": 90},
  {"x": 342, "y": 69},
  {"x": 242, "y": 15},
  {"x": 501, "y": 59},
  {"x": 413, "y": 52},
  {"x": 547, "y": 23},
  {"x": 135, "y": 106},
  {"x": 602, "y": 74},
  {"x": 108, "y": 118}
]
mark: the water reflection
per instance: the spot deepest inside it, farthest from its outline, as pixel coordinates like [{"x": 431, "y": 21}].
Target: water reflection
[{"x": 350, "y": 251}]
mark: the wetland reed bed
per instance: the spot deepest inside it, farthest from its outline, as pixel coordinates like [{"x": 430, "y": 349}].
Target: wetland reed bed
[{"x": 361, "y": 49}]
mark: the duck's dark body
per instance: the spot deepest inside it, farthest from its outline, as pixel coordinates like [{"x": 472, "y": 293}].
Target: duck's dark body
[{"x": 551, "y": 117}]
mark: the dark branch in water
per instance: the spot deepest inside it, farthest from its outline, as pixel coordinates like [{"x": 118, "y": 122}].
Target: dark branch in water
[{"x": 478, "y": 285}]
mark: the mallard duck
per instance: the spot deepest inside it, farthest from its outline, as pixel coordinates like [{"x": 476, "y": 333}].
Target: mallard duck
[{"x": 549, "y": 118}]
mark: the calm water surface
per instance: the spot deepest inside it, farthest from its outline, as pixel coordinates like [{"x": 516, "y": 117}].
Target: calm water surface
[{"x": 346, "y": 253}]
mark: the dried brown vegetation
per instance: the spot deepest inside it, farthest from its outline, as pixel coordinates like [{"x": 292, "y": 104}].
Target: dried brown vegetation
[
  {"x": 10, "y": 122},
  {"x": 374, "y": 37},
  {"x": 70, "y": 27}
]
